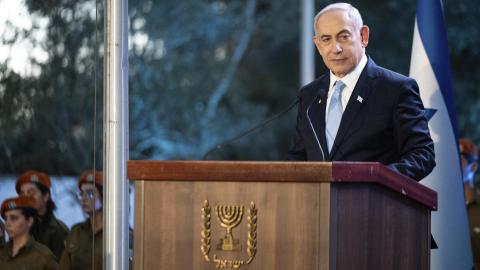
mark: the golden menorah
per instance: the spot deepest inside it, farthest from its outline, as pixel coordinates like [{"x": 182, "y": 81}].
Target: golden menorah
[{"x": 229, "y": 217}]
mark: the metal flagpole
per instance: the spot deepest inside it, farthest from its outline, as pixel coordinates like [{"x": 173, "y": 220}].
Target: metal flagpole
[
  {"x": 115, "y": 137},
  {"x": 307, "y": 64}
]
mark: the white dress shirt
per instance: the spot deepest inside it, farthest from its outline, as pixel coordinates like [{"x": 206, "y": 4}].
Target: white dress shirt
[{"x": 350, "y": 80}]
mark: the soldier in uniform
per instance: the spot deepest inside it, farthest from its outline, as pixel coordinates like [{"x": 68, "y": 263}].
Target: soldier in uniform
[
  {"x": 469, "y": 158},
  {"x": 84, "y": 242},
  {"x": 50, "y": 231},
  {"x": 22, "y": 251}
]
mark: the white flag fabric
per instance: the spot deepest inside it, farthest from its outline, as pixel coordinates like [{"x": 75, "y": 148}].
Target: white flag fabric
[{"x": 430, "y": 66}]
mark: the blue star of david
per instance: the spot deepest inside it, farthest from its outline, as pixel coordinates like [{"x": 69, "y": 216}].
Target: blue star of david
[{"x": 429, "y": 113}]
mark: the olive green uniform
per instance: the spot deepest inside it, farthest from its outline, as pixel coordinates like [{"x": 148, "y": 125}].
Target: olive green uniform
[
  {"x": 79, "y": 251},
  {"x": 33, "y": 256},
  {"x": 52, "y": 233},
  {"x": 473, "y": 210}
]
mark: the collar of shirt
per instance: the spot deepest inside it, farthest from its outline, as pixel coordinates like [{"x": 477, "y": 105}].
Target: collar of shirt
[
  {"x": 350, "y": 80},
  {"x": 87, "y": 225},
  {"x": 26, "y": 247}
]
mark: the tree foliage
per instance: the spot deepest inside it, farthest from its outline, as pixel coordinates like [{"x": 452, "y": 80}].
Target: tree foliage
[
  {"x": 200, "y": 72},
  {"x": 47, "y": 118}
]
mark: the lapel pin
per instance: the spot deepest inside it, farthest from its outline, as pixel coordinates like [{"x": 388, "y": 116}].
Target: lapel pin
[
  {"x": 360, "y": 99},
  {"x": 319, "y": 101}
]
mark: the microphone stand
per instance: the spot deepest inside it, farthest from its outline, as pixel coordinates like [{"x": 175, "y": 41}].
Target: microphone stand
[{"x": 250, "y": 130}]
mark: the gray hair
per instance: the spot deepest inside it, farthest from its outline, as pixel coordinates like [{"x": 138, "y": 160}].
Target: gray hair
[{"x": 351, "y": 11}]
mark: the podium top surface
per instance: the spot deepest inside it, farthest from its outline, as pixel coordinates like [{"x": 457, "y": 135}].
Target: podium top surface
[{"x": 279, "y": 171}]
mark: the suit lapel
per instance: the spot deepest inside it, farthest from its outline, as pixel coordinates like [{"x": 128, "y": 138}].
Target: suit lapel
[
  {"x": 317, "y": 114},
  {"x": 355, "y": 103}
]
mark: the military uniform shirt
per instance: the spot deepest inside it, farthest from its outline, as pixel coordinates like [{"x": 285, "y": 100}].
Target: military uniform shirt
[
  {"x": 52, "y": 233},
  {"x": 33, "y": 256},
  {"x": 79, "y": 252}
]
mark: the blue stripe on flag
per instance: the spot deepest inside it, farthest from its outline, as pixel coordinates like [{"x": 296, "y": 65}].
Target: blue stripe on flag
[{"x": 432, "y": 31}]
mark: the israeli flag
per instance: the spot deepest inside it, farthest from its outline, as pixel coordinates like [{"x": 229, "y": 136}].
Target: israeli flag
[{"x": 430, "y": 67}]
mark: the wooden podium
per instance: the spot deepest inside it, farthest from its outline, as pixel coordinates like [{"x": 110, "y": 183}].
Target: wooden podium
[{"x": 210, "y": 215}]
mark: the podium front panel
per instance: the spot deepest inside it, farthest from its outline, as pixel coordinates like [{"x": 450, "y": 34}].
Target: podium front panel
[{"x": 184, "y": 225}]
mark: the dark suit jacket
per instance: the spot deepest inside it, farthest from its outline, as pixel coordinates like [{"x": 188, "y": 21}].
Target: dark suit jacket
[{"x": 384, "y": 121}]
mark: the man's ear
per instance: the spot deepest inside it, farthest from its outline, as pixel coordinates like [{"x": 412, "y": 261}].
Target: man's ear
[
  {"x": 364, "y": 35},
  {"x": 315, "y": 41}
]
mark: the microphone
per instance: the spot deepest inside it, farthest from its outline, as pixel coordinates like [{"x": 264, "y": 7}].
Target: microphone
[
  {"x": 250, "y": 130},
  {"x": 320, "y": 94}
]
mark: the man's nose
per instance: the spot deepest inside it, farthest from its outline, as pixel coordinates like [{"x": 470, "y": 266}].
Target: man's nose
[{"x": 337, "y": 48}]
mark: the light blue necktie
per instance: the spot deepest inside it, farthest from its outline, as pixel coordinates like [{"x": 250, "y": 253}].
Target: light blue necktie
[{"x": 334, "y": 115}]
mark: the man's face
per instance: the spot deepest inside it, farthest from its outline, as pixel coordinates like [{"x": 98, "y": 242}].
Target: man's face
[
  {"x": 339, "y": 43},
  {"x": 16, "y": 224},
  {"x": 32, "y": 191},
  {"x": 90, "y": 199}
]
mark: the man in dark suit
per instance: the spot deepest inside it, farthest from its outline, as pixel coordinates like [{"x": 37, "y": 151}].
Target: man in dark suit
[{"x": 360, "y": 111}]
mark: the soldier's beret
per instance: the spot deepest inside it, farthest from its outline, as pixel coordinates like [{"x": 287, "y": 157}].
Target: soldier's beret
[
  {"x": 17, "y": 203},
  {"x": 92, "y": 177},
  {"x": 33, "y": 177}
]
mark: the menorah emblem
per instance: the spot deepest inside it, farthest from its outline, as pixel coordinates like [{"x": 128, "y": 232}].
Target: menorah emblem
[{"x": 229, "y": 217}]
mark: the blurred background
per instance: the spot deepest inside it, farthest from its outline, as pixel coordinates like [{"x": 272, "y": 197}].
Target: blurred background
[{"x": 200, "y": 72}]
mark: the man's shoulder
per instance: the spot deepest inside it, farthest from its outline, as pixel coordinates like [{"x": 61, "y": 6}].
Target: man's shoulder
[
  {"x": 313, "y": 87},
  {"x": 388, "y": 75}
]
